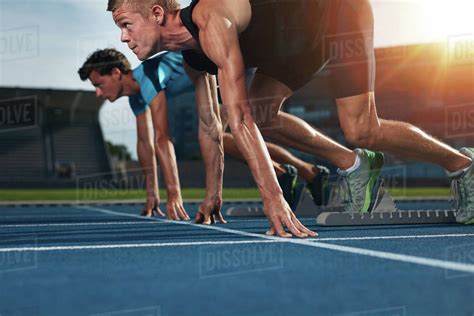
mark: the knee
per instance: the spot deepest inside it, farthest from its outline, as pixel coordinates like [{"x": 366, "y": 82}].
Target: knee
[
  {"x": 270, "y": 124},
  {"x": 361, "y": 136}
]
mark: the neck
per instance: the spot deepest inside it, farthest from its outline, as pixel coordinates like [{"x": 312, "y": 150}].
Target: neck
[
  {"x": 130, "y": 85},
  {"x": 175, "y": 35}
]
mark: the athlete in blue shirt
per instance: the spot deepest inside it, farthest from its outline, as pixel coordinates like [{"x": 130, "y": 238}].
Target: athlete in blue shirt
[{"x": 110, "y": 73}]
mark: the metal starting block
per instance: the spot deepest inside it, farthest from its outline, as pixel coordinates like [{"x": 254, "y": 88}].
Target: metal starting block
[
  {"x": 385, "y": 212},
  {"x": 386, "y": 218}
]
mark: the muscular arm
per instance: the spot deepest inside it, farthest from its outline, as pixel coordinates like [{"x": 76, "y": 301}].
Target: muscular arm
[
  {"x": 219, "y": 40},
  {"x": 163, "y": 145},
  {"x": 166, "y": 155},
  {"x": 210, "y": 139},
  {"x": 210, "y": 135},
  {"x": 147, "y": 161}
]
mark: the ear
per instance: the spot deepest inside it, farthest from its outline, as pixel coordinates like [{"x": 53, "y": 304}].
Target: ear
[
  {"x": 116, "y": 73},
  {"x": 158, "y": 14}
]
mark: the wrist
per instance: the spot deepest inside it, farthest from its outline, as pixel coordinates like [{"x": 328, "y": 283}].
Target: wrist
[
  {"x": 213, "y": 194},
  {"x": 152, "y": 193},
  {"x": 173, "y": 191}
]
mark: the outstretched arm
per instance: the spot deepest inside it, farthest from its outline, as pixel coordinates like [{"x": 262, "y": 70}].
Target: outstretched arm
[
  {"x": 219, "y": 40},
  {"x": 147, "y": 161},
  {"x": 212, "y": 148},
  {"x": 166, "y": 155}
]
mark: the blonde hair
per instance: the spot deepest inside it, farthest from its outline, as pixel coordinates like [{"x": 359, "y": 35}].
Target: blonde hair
[{"x": 143, "y": 6}]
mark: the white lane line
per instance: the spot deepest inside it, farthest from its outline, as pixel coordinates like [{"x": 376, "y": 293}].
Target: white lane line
[
  {"x": 392, "y": 237},
  {"x": 144, "y": 245},
  {"x": 77, "y": 224},
  {"x": 104, "y": 211},
  {"x": 43, "y": 216},
  {"x": 435, "y": 263}
]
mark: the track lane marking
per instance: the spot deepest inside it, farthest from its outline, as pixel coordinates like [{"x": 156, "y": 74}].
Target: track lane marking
[
  {"x": 392, "y": 237},
  {"x": 434, "y": 263},
  {"x": 143, "y": 245},
  {"x": 77, "y": 224}
]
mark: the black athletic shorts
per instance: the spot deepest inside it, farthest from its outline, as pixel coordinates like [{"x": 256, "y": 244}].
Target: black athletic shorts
[{"x": 342, "y": 44}]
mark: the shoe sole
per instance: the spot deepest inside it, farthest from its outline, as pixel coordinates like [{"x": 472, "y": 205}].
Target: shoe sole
[{"x": 469, "y": 222}]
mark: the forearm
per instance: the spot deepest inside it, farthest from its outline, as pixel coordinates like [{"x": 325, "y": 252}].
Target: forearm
[
  {"x": 212, "y": 149},
  {"x": 167, "y": 158},
  {"x": 246, "y": 134},
  {"x": 148, "y": 163}
]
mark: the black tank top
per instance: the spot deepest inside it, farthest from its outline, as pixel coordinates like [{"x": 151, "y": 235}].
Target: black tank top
[{"x": 281, "y": 33}]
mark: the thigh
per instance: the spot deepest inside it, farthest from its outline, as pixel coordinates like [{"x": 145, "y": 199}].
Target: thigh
[
  {"x": 266, "y": 95},
  {"x": 349, "y": 47}
]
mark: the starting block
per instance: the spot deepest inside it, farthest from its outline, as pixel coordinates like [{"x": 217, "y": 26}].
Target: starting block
[
  {"x": 385, "y": 212},
  {"x": 386, "y": 218}
]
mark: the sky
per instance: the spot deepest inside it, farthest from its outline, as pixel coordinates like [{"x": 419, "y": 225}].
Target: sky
[{"x": 44, "y": 42}]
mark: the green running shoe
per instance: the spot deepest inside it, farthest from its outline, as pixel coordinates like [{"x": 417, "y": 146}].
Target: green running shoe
[
  {"x": 287, "y": 183},
  {"x": 462, "y": 192},
  {"x": 361, "y": 186}
]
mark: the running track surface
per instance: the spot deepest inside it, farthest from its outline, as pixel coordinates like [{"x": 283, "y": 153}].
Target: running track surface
[{"x": 106, "y": 260}]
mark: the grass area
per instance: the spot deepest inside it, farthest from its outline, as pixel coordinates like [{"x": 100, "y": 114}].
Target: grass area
[
  {"x": 188, "y": 193},
  {"x": 97, "y": 194}
]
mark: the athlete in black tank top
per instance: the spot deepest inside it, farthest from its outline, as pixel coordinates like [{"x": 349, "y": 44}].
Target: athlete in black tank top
[{"x": 288, "y": 41}]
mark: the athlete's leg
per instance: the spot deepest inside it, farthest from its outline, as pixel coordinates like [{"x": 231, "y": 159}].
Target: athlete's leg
[
  {"x": 362, "y": 127},
  {"x": 231, "y": 149},
  {"x": 269, "y": 94},
  {"x": 279, "y": 157},
  {"x": 279, "y": 154}
]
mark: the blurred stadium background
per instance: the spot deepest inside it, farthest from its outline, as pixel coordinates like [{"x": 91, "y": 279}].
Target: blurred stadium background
[{"x": 417, "y": 83}]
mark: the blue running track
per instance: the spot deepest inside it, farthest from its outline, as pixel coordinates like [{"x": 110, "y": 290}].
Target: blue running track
[{"x": 106, "y": 260}]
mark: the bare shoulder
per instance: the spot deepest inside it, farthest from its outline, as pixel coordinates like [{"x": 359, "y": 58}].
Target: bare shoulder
[{"x": 236, "y": 12}]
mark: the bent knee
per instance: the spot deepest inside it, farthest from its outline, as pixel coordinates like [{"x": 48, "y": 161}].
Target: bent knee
[{"x": 361, "y": 137}]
